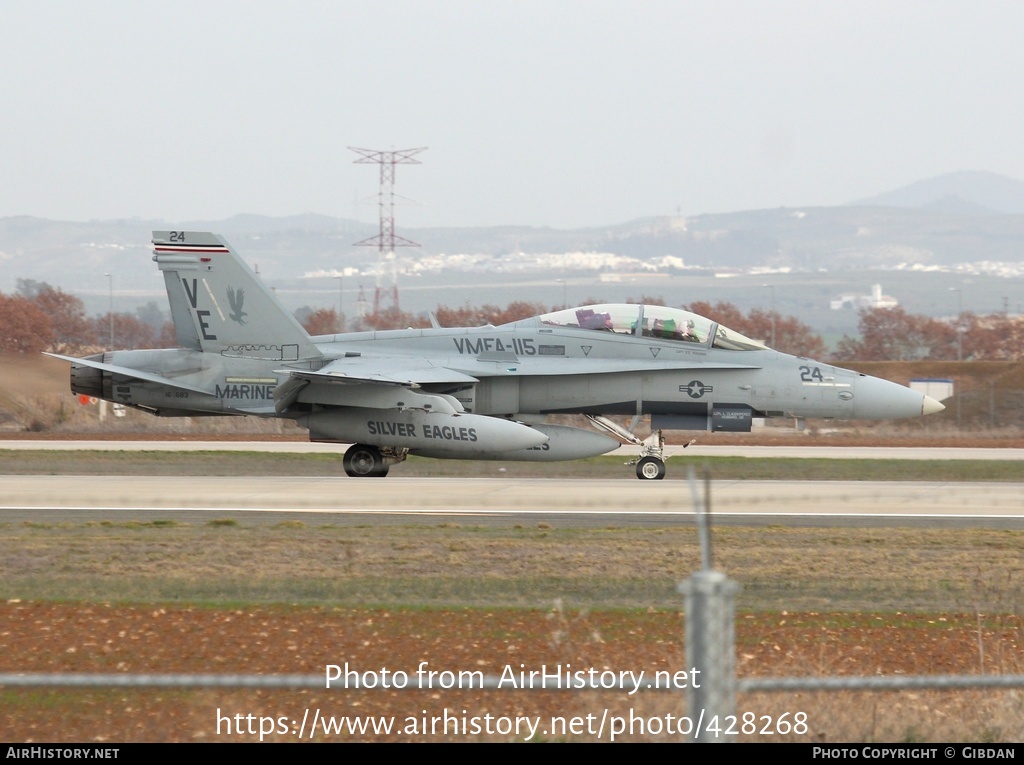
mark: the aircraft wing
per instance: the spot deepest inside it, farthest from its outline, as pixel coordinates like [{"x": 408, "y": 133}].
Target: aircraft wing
[
  {"x": 137, "y": 374},
  {"x": 374, "y": 382},
  {"x": 387, "y": 370}
]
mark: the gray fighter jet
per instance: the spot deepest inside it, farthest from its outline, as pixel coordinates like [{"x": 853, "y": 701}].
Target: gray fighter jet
[{"x": 468, "y": 392}]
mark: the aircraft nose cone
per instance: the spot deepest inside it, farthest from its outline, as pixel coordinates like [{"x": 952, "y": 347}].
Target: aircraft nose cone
[{"x": 877, "y": 399}]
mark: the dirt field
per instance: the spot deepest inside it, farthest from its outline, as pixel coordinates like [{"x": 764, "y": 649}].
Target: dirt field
[
  {"x": 162, "y": 597},
  {"x": 54, "y": 637}
]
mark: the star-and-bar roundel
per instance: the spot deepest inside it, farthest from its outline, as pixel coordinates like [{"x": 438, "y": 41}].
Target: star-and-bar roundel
[{"x": 696, "y": 389}]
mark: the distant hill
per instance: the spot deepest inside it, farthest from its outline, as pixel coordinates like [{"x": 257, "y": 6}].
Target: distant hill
[
  {"x": 968, "y": 192},
  {"x": 942, "y": 222}
]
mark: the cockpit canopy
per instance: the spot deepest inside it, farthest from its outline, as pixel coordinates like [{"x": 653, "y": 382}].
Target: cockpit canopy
[{"x": 654, "y": 321}]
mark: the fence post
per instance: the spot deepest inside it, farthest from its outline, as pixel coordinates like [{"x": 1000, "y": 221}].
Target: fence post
[
  {"x": 711, "y": 650},
  {"x": 710, "y": 632}
]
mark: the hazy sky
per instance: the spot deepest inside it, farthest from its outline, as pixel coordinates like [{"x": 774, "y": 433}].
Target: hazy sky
[{"x": 540, "y": 113}]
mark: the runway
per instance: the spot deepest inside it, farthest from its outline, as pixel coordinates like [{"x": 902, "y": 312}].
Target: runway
[
  {"x": 696, "y": 450},
  {"x": 509, "y": 500}
]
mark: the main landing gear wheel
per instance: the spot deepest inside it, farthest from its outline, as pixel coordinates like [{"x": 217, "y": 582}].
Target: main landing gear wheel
[
  {"x": 650, "y": 469},
  {"x": 362, "y": 461}
]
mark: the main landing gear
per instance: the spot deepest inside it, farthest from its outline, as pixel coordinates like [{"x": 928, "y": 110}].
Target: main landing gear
[{"x": 362, "y": 461}]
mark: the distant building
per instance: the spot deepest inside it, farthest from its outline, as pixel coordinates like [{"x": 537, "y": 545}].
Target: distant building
[{"x": 875, "y": 300}]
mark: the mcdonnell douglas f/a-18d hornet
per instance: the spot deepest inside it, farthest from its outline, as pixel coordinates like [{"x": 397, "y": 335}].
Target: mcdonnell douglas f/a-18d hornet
[{"x": 470, "y": 392}]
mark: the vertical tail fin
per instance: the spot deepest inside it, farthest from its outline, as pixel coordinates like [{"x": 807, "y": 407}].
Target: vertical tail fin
[{"x": 218, "y": 305}]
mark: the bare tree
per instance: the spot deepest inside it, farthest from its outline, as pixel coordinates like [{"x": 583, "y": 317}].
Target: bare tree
[{"x": 24, "y": 327}]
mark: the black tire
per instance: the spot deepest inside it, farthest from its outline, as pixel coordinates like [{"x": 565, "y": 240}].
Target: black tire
[
  {"x": 362, "y": 461},
  {"x": 650, "y": 469}
]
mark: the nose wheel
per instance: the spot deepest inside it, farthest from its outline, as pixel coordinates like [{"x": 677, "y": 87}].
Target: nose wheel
[
  {"x": 650, "y": 469},
  {"x": 650, "y": 465}
]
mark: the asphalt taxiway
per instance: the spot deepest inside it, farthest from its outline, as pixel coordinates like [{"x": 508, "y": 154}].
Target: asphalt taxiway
[{"x": 613, "y": 502}]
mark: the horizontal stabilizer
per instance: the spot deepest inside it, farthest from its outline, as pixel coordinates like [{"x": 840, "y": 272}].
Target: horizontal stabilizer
[{"x": 133, "y": 373}]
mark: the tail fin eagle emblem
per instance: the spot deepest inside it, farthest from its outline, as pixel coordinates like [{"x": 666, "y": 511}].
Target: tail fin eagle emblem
[{"x": 236, "y": 298}]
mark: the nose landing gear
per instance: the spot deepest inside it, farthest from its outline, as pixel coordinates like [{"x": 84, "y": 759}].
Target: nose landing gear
[
  {"x": 650, "y": 469},
  {"x": 650, "y": 465}
]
